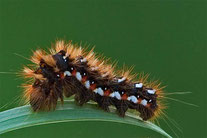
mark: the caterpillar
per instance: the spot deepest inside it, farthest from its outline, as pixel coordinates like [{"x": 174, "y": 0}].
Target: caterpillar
[{"x": 70, "y": 70}]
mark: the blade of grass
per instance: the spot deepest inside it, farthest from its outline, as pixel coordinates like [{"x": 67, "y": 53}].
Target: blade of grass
[{"x": 22, "y": 117}]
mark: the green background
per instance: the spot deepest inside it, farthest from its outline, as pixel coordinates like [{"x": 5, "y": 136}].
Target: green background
[{"x": 166, "y": 38}]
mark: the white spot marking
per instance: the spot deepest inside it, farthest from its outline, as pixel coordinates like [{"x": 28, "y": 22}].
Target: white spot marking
[
  {"x": 87, "y": 84},
  {"x": 151, "y": 91},
  {"x": 122, "y": 79},
  {"x": 83, "y": 60},
  {"x": 71, "y": 68},
  {"x": 112, "y": 95},
  {"x": 122, "y": 93},
  {"x": 64, "y": 57},
  {"x": 144, "y": 102},
  {"x": 138, "y": 85},
  {"x": 100, "y": 91},
  {"x": 150, "y": 100},
  {"x": 67, "y": 73},
  {"x": 96, "y": 90},
  {"x": 117, "y": 95},
  {"x": 133, "y": 99},
  {"x": 58, "y": 75},
  {"x": 78, "y": 76}
]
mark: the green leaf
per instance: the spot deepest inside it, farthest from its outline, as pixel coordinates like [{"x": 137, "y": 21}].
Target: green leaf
[{"x": 22, "y": 117}]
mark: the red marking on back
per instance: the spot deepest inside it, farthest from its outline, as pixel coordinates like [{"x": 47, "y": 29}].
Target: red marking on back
[
  {"x": 84, "y": 79},
  {"x": 139, "y": 100},
  {"x": 74, "y": 72},
  {"x": 107, "y": 92},
  {"x": 148, "y": 105},
  {"x": 62, "y": 75},
  {"x": 93, "y": 86},
  {"x": 124, "y": 97}
]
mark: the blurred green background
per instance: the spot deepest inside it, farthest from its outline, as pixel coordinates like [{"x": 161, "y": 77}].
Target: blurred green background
[{"x": 166, "y": 38}]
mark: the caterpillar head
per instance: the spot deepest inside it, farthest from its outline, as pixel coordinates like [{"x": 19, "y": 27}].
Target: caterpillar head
[{"x": 47, "y": 88}]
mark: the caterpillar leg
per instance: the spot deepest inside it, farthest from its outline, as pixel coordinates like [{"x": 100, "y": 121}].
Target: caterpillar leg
[
  {"x": 121, "y": 107},
  {"x": 82, "y": 96},
  {"x": 80, "y": 99},
  {"x": 146, "y": 114},
  {"x": 44, "y": 96},
  {"x": 69, "y": 86},
  {"x": 103, "y": 103}
]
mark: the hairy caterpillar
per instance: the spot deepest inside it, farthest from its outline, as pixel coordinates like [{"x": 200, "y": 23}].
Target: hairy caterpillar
[{"x": 70, "y": 70}]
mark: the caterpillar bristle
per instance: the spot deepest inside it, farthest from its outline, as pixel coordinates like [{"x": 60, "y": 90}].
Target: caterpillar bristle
[
  {"x": 29, "y": 73},
  {"x": 37, "y": 56},
  {"x": 60, "y": 45},
  {"x": 49, "y": 60},
  {"x": 27, "y": 92},
  {"x": 68, "y": 69},
  {"x": 127, "y": 73},
  {"x": 143, "y": 78}
]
